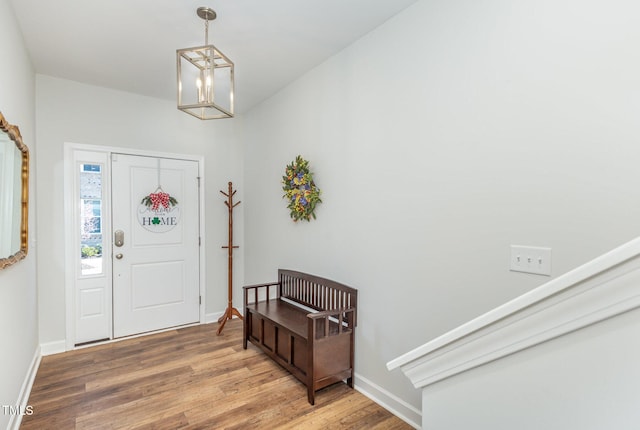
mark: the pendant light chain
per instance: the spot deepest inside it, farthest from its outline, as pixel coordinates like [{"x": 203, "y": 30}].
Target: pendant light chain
[{"x": 206, "y": 32}]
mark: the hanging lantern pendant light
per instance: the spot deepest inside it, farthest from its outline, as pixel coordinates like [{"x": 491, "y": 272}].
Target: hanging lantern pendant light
[{"x": 205, "y": 77}]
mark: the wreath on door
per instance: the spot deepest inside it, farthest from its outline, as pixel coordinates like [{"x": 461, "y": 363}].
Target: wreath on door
[
  {"x": 300, "y": 190},
  {"x": 159, "y": 198}
]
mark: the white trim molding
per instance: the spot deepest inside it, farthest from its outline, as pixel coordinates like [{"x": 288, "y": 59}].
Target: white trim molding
[
  {"x": 51, "y": 348},
  {"x": 389, "y": 401},
  {"x": 602, "y": 288},
  {"x": 25, "y": 390},
  {"x": 213, "y": 317}
]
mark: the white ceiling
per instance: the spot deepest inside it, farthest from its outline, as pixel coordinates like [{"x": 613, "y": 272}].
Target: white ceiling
[{"x": 130, "y": 45}]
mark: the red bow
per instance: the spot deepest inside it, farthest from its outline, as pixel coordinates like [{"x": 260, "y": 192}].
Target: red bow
[{"x": 158, "y": 199}]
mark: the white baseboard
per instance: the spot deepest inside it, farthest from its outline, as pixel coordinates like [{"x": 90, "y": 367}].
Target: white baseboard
[
  {"x": 25, "y": 390},
  {"x": 50, "y": 348},
  {"x": 212, "y": 317},
  {"x": 389, "y": 401}
]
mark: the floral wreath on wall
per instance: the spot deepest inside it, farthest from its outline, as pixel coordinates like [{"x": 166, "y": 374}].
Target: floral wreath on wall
[{"x": 300, "y": 190}]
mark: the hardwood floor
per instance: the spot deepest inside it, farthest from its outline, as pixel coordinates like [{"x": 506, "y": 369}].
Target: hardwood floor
[{"x": 188, "y": 378}]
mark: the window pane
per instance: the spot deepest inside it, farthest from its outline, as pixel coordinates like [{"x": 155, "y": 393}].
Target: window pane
[
  {"x": 91, "y": 262},
  {"x": 91, "y": 226}
]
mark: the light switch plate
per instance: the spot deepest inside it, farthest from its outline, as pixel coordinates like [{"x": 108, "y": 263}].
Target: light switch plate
[{"x": 531, "y": 259}]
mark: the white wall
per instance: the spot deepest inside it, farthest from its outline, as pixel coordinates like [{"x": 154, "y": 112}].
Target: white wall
[
  {"x": 586, "y": 380},
  {"x": 78, "y": 113},
  {"x": 18, "y": 301},
  {"x": 455, "y": 129}
]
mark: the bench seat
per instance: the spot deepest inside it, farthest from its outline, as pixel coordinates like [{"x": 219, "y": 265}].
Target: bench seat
[
  {"x": 308, "y": 328},
  {"x": 283, "y": 314}
]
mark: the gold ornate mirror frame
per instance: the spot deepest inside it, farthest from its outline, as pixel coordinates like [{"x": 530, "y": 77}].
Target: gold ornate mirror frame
[{"x": 14, "y": 134}]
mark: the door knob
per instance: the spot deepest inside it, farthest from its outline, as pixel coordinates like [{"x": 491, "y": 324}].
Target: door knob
[{"x": 119, "y": 256}]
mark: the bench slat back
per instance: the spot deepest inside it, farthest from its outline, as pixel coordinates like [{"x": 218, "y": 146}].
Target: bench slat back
[{"x": 315, "y": 292}]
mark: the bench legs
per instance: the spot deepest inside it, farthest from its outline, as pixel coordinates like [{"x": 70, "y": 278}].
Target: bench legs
[
  {"x": 245, "y": 329},
  {"x": 244, "y": 339}
]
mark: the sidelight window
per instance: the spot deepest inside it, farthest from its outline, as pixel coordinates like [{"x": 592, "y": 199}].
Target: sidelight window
[{"x": 91, "y": 238}]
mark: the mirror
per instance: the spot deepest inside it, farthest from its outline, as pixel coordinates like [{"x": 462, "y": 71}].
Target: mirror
[{"x": 14, "y": 194}]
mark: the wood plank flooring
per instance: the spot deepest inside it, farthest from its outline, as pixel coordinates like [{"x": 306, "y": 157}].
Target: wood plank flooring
[{"x": 188, "y": 378}]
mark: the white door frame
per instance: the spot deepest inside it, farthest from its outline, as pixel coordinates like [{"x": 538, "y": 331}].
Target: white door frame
[{"x": 72, "y": 222}]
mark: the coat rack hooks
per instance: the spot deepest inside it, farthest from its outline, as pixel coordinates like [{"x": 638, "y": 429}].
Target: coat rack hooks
[{"x": 230, "y": 311}]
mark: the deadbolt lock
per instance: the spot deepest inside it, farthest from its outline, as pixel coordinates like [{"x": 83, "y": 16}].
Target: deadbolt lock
[{"x": 119, "y": 238}]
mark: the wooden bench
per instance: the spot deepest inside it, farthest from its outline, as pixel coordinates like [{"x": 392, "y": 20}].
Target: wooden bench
[{"x": 307, "y": 328}]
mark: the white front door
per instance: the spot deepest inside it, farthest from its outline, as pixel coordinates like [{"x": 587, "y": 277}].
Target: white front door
[{"x": 155, "y": 235}]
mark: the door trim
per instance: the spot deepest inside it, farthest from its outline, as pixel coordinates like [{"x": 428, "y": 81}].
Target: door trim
[{"x": 71, "y": 216}]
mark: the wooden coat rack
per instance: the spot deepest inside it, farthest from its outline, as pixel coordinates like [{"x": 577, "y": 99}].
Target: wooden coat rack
[{"x": 231, "y": 311}]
